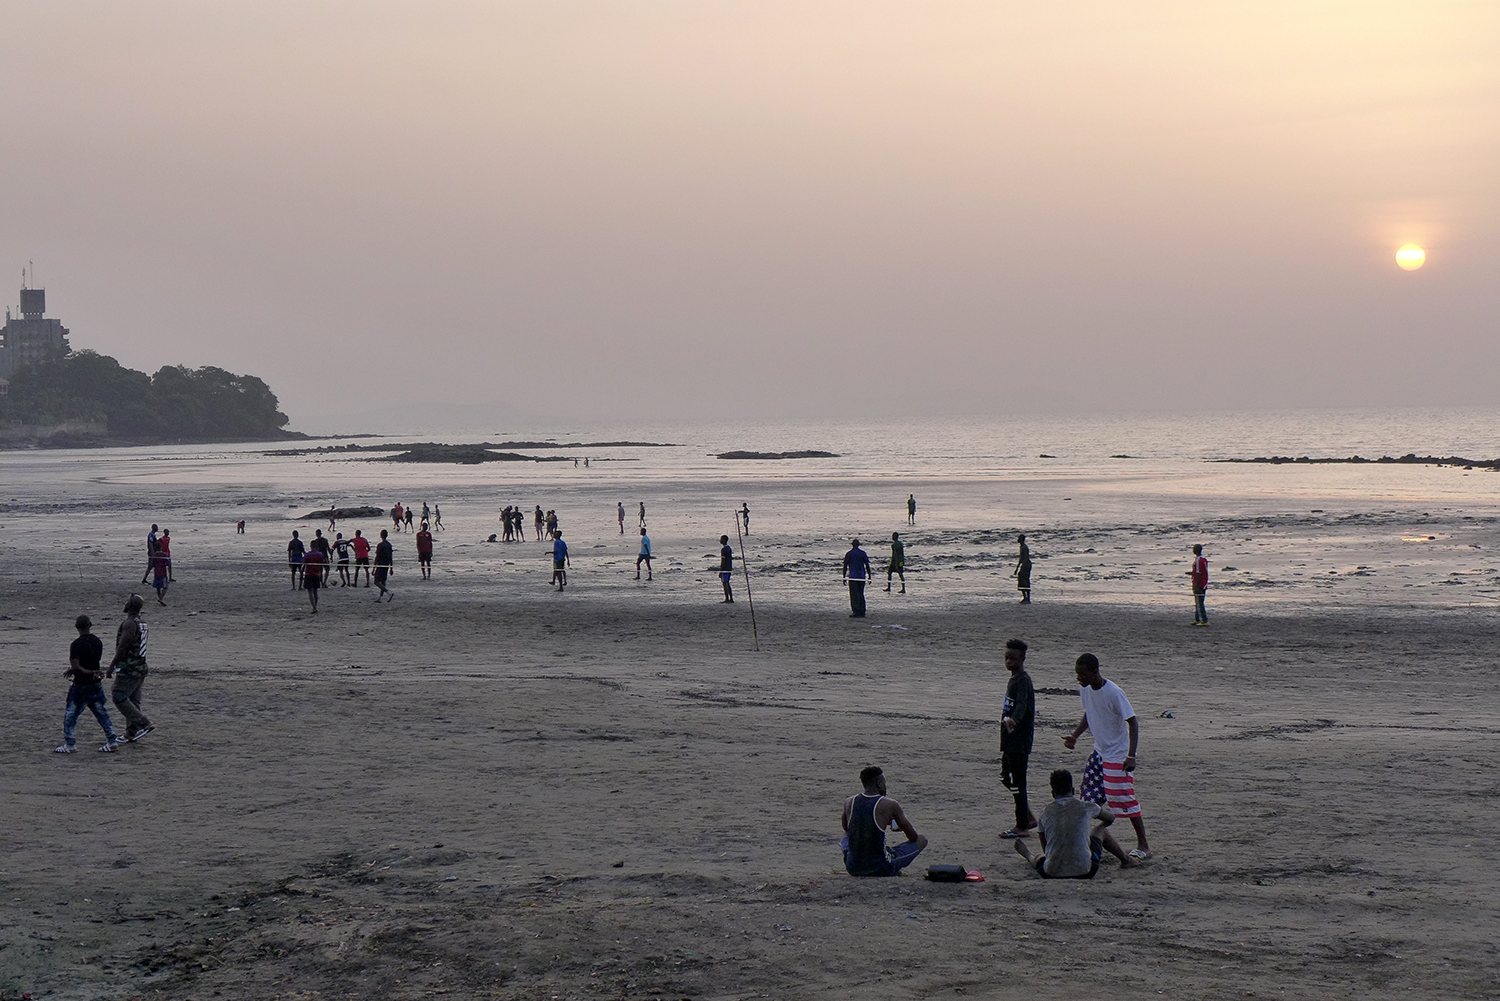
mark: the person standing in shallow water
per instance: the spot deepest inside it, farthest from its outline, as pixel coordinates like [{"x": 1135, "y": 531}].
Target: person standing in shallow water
[
  {"x": 1022, "y": 572},
  {"x": 911, "y": 509}
]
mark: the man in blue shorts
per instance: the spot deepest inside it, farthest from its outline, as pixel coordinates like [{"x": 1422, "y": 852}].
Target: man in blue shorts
[
  {"x": 867, "y": 816},
  {"x": 726, "y": 564}
]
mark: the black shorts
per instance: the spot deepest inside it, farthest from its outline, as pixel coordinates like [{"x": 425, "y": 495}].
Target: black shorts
[
  {"x": 380, "y": 573},
  {"x": 425, "y": 559},
  {"x": 311, "y": 583},
  {"x": 362, "y": 561}
]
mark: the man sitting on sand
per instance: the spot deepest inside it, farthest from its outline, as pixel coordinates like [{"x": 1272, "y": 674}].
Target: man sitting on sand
[
  {"x": 867, "y": 816},
  {"x": 1069, "y": 849}
]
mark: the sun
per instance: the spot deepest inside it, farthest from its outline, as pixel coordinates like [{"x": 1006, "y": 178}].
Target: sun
[{"x": 1411, "y": 257}]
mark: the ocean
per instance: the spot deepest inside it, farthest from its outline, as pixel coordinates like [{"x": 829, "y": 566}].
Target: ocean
[{"x": 1110, "y": 503}]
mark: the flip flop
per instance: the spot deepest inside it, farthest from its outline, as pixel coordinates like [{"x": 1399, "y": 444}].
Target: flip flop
[
  {"x": 1139, "y": 854},
  {"x": 1012, "y": 834}
]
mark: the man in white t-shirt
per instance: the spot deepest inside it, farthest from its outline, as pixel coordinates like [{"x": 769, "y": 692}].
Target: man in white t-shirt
[{"x": 1109, "y": 777}]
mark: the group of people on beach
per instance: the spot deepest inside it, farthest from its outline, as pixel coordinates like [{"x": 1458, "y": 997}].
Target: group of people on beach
[
  {"x": 1073, "y": 830},
  {"x": 402, "y": 517},
  {"x": 312, "y": 564}
]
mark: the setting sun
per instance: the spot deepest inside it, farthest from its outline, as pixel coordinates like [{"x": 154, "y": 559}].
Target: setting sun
[{"x": 1411, "y": 257}]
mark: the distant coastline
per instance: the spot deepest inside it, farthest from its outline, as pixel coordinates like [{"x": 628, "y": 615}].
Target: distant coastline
[{"x": 1409, "y": 459}]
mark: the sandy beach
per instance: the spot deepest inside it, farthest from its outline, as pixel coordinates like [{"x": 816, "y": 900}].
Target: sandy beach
[{"x": 488, "y": 789}]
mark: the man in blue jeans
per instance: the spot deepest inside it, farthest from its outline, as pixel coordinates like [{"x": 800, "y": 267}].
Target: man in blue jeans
[
  {"x": 867, "y": 816},
  {"x": 87, "y": 690}
]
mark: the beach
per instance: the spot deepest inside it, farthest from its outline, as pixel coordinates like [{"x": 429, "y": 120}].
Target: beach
[{"x": 486, "y": 788}]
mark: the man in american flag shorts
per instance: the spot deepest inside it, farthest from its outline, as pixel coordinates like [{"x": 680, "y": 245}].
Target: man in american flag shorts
[{"x": 1109, "y": 776}]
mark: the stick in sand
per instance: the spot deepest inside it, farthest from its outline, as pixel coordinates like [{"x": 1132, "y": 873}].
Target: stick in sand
[{"x": 745, "y": 569}]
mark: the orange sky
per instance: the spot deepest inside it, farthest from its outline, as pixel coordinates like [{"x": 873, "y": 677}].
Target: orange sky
[{"x": 758, "y": 209}]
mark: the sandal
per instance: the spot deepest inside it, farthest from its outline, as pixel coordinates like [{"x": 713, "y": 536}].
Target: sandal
[{"x": 1139, "y": 854}]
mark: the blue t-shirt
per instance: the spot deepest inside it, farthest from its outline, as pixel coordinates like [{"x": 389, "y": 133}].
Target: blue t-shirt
[
  {"x": 559, "y": 550},
  {"x": 857, "y": 564}
]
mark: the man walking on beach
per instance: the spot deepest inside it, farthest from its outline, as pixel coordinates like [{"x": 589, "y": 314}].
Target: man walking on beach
[
  {"x": 1022, "y": 572},
  {"x": 361, "y": 556},
  {"x": 561, "y": 564},
  {"x": 1069, "y": 849},
  {"x": 1017, "y": 730},
  {"x": 294, "y": 553},
  {"x": 857, "y": 573},
  {"x": 726, "y": 567},
  {"x": 313, "y": 565},
  {"x": 897, "y": 566},
  {"x": 1199, "y": 573},
  {"x": 424, "y": 551},
  {"x": 911, "y": 509},
  {"x": 643, "y": 514},
  {"x": 644, "y": 556},
  {"x": 1109, "y": 777},
  {"x": 385, "y": 565},
  {"x": 130, "y": 661},
  {"x": 867, "y": 816},
  {"x": 437, "y": 518},
  {"x": 621, "y": 506},
  {"x": 87, "y": 689},
  {"x": 150, "y": 554}
]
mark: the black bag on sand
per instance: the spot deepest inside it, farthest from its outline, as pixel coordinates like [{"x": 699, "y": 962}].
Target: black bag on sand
[{"x": 947, "y": 873}]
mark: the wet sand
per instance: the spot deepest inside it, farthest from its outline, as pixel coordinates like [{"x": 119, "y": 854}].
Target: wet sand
[{"x": 606, "y": 793}]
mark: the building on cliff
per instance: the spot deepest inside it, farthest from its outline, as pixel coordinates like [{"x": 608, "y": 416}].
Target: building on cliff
[{"x": 29, "y": 338}]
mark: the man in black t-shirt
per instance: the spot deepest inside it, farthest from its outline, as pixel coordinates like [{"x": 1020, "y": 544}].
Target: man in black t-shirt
[
  {"x": 726, "y": 562},
  {"x": 87, "y": 689},
  {"x": 1017, "y": 728},
  {"x": 384, "y": 566},
  {"x": 294, "y": 552}
]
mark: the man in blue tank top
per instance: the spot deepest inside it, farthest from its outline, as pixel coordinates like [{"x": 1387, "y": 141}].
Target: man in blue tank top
[{"x": 866, "y": 818}]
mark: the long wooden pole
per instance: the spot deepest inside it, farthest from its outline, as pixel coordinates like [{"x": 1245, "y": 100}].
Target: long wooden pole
[{"x": 745, "y": 569}]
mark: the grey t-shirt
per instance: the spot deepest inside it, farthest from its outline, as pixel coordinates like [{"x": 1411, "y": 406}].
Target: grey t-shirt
[{"x": 1066, "y": 822}]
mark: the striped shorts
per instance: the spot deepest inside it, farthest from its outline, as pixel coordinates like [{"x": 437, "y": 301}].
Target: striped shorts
[{"x": 1109, "y": 784}]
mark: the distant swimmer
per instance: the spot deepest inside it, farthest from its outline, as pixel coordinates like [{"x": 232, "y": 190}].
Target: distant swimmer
[
  {"x": 1022, "y": 572},
  {"x": 745, "y": 516},
  {"x": 867, "y": 816},
  {"x": 857, "y": 574},
  {"x": 621, "y": 505},
  {"x": 87, "y": 689},
  {"x": 1199, "y": 573},
  {"x": 561, "y": 564},
  {"x": 897, "y": 566},
  {"x": 644, "y": 556},
  {"x": 911, "y": 509},
  {"x": 294, "y": 553},
  {"x": 385, "y": 565},
  {"x": 1070, "y": 850},
  {"x": 1109, "y": 777},
  {"x": 313, "y": 565},
  {"x": 424, "y": 551},
  {"x": 361, "y": 547}
]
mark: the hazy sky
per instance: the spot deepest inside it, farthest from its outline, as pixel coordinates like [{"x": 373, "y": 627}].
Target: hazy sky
[{"x": 659, "y": 209}]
